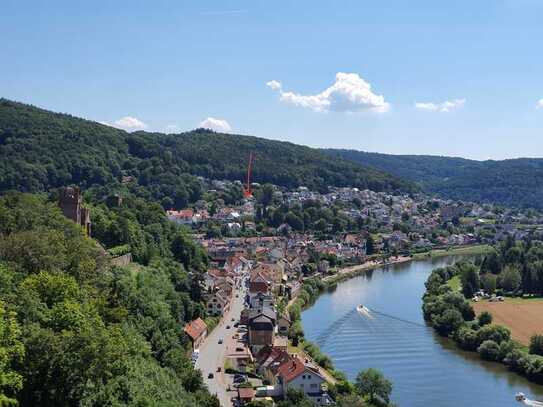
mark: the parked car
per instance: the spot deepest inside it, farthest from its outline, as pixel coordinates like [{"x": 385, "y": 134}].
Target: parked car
[
  {"x": 219, "y": 369},
  {"x": 240, "y": 379},
  {"x": 220, "y": 341},
  {"x": 210, "y": 376},
  {"x": 236, "y": 324},
  {"x": 227, "y": 326}
]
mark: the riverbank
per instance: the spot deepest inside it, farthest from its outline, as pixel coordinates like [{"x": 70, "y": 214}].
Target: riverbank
[
  {"x": 314, "y": 287},
  {"x": 471, "y": 250},
  {"x": 394, "y": 339},
  {"x": 452, "y": 316},
  {"x": 353, "y": 271}
]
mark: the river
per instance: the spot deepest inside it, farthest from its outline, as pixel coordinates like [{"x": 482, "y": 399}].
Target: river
[{"x": 426, "y": 370}]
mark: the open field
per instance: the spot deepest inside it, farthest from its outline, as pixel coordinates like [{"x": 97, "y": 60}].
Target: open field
[
  {"x": 524, "y": 317},
  {"x": 454, "y": 251}
]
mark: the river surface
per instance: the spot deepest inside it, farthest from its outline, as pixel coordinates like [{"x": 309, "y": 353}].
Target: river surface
[{"x": 426, "y": 370}]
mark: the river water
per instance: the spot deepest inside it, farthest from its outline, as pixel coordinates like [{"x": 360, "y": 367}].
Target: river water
[{"x": 426, "y": 370}]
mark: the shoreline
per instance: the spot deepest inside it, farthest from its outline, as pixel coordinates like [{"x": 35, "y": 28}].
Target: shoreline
[
  {"x": 349, "y": 272},
  {"x": 354, "y": 271}
]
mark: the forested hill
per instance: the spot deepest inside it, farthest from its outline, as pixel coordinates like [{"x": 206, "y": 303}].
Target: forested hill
[
  {"x": 40, "y": 150},
  {"x": 517, "y": 182}
]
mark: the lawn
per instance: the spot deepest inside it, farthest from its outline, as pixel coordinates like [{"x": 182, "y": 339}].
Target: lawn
[
  {"x": 524, "y": 317},
  {"x": 455, "y": 283}
]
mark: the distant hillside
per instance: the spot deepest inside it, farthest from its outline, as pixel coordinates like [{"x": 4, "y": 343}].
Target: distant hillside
[
  {"x": 40, "y": 150},
  {"x": 517, "y": 182}
]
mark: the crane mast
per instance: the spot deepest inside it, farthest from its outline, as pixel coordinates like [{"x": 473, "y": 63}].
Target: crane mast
[{"x": 247, "y": 191}]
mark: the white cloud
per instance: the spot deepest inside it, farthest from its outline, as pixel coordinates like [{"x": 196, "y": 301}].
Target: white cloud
[
  {"x": 218, "y": 125},
  {"x": 129, "y": 123},
  {"x": 349, "y": 93},
  {"x": 445, "y": 107},
  {"x": 540, "y": 104}
]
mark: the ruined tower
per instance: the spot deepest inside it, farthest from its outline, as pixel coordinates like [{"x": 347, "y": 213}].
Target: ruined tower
[{"x": 70, "y": 201}]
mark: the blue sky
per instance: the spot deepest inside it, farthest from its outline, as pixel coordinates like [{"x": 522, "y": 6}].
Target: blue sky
[{"x": 170, "y": 65}]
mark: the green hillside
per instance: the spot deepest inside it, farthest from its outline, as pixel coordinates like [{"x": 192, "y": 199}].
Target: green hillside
[
  {"x": 516, "y": 182},
  {"x": 40, "y": 150}
]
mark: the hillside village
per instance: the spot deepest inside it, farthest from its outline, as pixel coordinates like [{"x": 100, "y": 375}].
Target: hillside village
[
  {"x": 268, "y": 271},
  {"x": 353, "y": 223}
]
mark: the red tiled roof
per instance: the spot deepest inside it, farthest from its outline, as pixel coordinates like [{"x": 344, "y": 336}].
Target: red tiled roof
[
  {"x": 195, "y": 328},
  {"x": 291, "y": 369},
  {"x": 246, "y": 393},
  {"x": 185, "y": 213}
]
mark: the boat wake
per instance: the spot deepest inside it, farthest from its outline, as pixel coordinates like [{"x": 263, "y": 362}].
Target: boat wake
[
  {"x": 365, "y": 311},
  {"x": 527, "y": 402}
]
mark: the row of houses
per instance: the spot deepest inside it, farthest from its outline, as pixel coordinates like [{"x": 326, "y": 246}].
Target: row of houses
[{"x": 267, "y": 340}]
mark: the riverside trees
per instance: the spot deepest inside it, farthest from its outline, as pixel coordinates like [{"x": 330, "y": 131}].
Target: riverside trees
[{"x": 512, "y": 263}]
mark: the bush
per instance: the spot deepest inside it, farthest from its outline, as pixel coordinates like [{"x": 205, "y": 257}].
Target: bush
[
  {"x": 466, "y": 338},
  {"x": 489, "y": 350},
  {"x": 536, "y": 345},
  {"x": 506, "y": 347},
  {"x": 485, "y": 318},
  {"x": 494, "y": 333},
  {"x": 448, "y": 322}
]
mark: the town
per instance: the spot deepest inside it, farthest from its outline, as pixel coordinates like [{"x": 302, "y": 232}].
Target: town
[{"x": 260, "y": 261}]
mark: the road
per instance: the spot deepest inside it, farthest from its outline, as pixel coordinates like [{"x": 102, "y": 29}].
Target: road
[{"x": 212, "y": 354}]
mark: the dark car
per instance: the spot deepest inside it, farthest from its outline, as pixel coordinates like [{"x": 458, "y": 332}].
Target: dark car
[
  {"x": 210, "y": 376},
  {"x": 239, "y": 379},
  {"x": 220, "y": 341},
  {"x": 236, "y": 324},
  {"x": 227, "y": 326}
]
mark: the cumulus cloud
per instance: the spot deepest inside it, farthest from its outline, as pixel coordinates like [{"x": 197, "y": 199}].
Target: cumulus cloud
[
  {"x": 540, "y": 104},
  {"x": 445, "y": 107},
  {"x": 129, "y": 123},
  {"x": 349, "y": 93},
  {"x": 218, "y": 125}
]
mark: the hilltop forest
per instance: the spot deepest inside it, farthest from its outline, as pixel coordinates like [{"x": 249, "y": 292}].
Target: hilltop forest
[
  {"x": 514, "y": 183},
  {"x": 41, "y": 150}
]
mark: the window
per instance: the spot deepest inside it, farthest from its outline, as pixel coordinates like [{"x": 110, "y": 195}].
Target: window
[
  {"x": 314, "y": 385},
  {"x": 303, "y": 377}
]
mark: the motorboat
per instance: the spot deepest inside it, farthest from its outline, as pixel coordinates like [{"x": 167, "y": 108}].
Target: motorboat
[{"x": 362, "y": 308}]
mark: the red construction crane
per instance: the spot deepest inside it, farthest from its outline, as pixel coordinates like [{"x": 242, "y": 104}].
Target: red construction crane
[{"x": 247, "y": 191}]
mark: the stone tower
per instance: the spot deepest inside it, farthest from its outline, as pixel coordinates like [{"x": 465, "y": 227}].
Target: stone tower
[{"x": 70, "y": 201}]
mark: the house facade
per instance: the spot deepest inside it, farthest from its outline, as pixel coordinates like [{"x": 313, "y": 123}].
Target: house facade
[{"x": 196, "y": 331}]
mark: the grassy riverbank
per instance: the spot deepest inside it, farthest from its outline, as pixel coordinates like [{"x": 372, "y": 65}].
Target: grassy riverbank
[
  {"x": 455, "y": 251},
  {"x": 353, "y": 271}
]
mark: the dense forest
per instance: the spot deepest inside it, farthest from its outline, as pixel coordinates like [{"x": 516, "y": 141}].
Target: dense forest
[
  {"x": 75, "y": 331},
  {"x": 515, "y": 183},
  {"x": 41, "y": 150}
]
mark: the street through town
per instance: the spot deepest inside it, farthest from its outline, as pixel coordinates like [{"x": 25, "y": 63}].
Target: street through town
[{"x": 212, "y": 354}]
